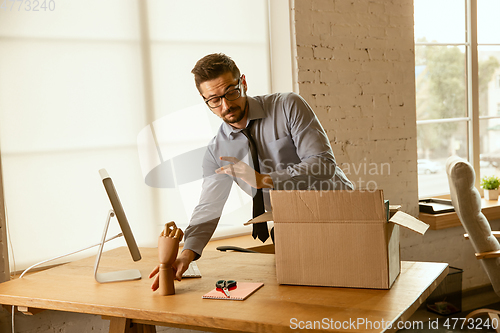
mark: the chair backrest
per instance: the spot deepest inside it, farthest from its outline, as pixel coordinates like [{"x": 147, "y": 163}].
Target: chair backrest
[{"x": 467, "y": 202}]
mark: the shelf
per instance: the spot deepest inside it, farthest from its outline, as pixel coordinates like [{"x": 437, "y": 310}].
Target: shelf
[{"x": 490, "y": 209}]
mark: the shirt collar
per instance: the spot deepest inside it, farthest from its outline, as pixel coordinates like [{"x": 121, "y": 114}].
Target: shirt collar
[{"x": 255, "y": 111}]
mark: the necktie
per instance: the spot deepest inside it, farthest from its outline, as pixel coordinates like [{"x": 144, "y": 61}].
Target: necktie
[{"x": 259, "y": 229}]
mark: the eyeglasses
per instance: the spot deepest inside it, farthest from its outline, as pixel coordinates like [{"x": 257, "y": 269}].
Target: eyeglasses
[{"x": 231, "y": 95}]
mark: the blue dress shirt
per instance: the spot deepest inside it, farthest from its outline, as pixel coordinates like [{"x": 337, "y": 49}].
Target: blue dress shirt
[{"x": 293, "y": 149}]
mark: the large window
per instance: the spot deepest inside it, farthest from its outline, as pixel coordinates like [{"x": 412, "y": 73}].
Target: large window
[
  {"x": 457, "y": 62},
  {"x": 80, "y": 81}
]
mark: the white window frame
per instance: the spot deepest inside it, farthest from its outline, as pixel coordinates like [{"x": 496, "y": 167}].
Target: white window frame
[{"x": 472, "y": 88}]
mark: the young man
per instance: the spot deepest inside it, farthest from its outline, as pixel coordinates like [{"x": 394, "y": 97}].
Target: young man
[{"x": 279, "y": 132}]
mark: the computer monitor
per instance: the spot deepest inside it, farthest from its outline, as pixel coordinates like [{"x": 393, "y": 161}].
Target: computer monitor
[{"x": 126, "y": 231}]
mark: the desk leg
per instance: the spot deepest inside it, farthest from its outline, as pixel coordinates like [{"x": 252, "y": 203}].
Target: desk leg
[
  {"x": 124, "y": 325},
  {"x": 118, "y": 325},
  {"x": 143, "y": 328}
]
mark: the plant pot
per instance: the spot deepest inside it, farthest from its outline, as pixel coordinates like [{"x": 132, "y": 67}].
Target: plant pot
[{"x": 491, "y": 194}]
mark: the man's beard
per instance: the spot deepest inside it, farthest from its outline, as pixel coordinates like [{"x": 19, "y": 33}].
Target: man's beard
[{"x": 237, "y": 114}]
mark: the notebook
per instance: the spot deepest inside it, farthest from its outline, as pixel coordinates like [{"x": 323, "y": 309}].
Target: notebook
[{"x": 240, "y": 293}]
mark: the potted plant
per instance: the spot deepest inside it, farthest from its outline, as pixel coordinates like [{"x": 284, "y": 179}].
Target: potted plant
[{"x": 490, "y": 186}]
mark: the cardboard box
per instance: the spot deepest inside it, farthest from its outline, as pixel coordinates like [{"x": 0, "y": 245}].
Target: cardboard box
[{"x": 336, "y": 238}]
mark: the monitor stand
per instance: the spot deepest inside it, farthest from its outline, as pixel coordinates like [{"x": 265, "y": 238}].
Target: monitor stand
[{"x": 130, "y": 274}]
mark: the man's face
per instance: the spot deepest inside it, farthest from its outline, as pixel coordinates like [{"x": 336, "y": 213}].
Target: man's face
[{"x": 232, "y": 112}]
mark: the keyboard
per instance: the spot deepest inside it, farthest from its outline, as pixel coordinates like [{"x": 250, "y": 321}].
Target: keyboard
[{"x": 192, "y": 271}]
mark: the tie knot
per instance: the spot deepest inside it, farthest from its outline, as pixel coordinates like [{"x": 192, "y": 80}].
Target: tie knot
[{"x": 246, "y": 130}]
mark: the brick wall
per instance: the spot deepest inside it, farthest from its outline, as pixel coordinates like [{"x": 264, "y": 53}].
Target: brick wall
[{"x": 355, "y": 63}]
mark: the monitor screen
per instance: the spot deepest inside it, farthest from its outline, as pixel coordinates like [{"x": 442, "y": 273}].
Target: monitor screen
[{"x": 120, "y": 214}]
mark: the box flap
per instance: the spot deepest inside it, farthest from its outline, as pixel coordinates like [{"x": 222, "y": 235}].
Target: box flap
[
  {"x": 328, "y": 206},
  {"x": 267, "y": 216},
  {"x": 409, "y": 222},
  {"x": 394, "y": 208}
]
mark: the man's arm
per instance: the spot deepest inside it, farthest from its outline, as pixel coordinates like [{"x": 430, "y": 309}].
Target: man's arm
[
  {"x": 182, "y": 262},
  {"x": 206, "y": 215}
]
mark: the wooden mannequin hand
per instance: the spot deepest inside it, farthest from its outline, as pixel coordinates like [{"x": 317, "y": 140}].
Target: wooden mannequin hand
[
  {"x": 165, "y": 273},
  {"x": 168, "y": 243}
]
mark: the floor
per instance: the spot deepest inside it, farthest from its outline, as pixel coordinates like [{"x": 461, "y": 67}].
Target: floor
[{"x": 426, "y": 321}]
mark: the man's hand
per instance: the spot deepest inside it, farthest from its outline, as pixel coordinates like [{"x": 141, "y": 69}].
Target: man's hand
[
  {"x": 180, "y": 265},
  {"x": 243, "y": 171}
]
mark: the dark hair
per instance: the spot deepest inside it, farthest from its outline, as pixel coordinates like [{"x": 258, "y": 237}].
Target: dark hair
[{"x": 212, "y": 66}]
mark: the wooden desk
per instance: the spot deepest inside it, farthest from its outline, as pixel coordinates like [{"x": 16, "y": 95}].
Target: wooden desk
[
  {"x": 490, "y": 209},
  {"x": 72, "y": 288}
]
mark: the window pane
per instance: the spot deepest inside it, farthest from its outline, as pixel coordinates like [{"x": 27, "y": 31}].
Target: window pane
[
  {"x": 172, "y": 95},
  {"x": 69, "y": 106},
  {"x": 201, "y": 21},
  {"x": 488, "y": 24},
  {"x": 72, "y": 102},
  {"x": 440, "y": 82},
  {"x": 109, "y": 20},
  {"x": 236, "y": 28},
  {"x": 432, "y": 25},
  {"x": 489, "y": 80},
  {"x": 437, "y": 142},
  {"x": 490, "y": 147}
]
